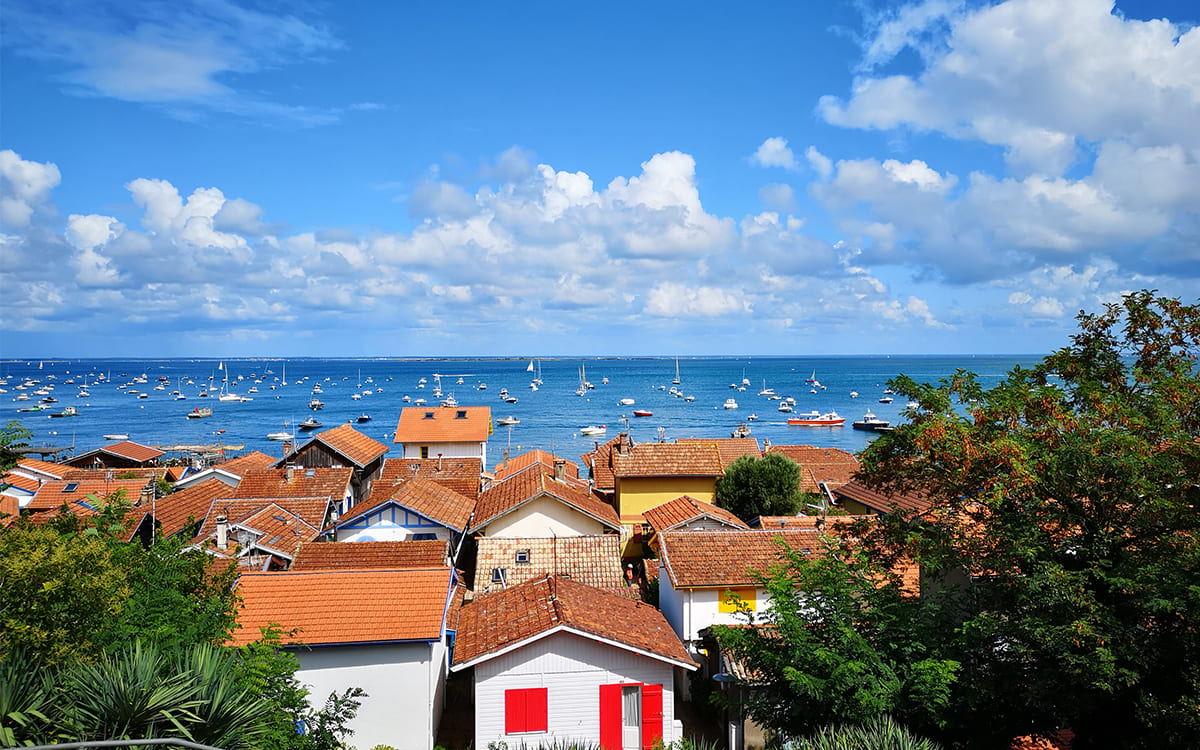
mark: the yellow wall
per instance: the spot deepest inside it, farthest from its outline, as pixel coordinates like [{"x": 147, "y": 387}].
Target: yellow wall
[{"x": 637, "y": 495}]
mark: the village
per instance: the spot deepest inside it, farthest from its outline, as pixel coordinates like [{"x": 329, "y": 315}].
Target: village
[{"x": 533, "y": 601}]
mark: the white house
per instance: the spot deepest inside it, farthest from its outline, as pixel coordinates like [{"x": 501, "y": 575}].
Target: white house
[
  {"x": 419, "y": 509},
  {"x": 535, "y": 502},
  {"x": 446, "y": 432},
  {"x": 382, "y": 630},
  {"x": 557, "y": 661},
  {"x": 704, "y": 574}
]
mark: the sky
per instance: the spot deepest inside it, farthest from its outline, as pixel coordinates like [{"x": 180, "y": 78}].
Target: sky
[{"x": 255, "y": 178}]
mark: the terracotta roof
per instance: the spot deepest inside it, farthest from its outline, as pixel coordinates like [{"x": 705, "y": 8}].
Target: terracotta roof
[
  {"x": 128, "y": 449},
  {"x": 51, "y": 470},
  {"x": 593, "y": 560},
  {"x": 516, "y": 464},
  {"x": 21, "y": 482},
  {"x": 173, "y": 511},
  {"x": 175, "y": 473},
  {"x": 668, "y": 460},
  {"x": 830, "y": 465},
  {"x": 495, "y": 623},
  {"x": 445, "y": 425},
  {"x": 9, "y": 508},
  {"x": 686, "y": 509},
  {"x": 708, "y": 559},
  {"x": 311, "y": 511},
  {"x": 344, "y": 440},
  {"x": 729, "y": 449},
  {"x": 344, "y": 606},
  {"x": 790, "y": 522},
  {"x": 99, "y": 475},
  {"x": 324, "y": 481},
  {"x": 55, "y": 492},
  {"x": 251, "y": 462},
  {"x": 277, "y": 530},
  {"x": 436, "y": 502},
  {"x": 371, "y": 555},
  {"x": 599, "y": 460},
  {"x": 532, "y": 483},
  {"x": 459, "y": 474},
  {"x": 880, "y": 502}
]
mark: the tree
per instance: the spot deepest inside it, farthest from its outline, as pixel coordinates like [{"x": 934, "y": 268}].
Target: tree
[
  {"x": 13, "y": 437},
  {"x": 1060, "y": 551},
  {"x": 767, "y": 486}
]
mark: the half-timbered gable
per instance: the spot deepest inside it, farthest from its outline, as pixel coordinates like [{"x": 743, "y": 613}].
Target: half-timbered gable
[{"x": 343, "y": 446}]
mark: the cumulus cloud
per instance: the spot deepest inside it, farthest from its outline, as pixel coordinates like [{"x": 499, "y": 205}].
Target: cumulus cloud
[
  {"x": 24, "y": 188},
  {"x": 774, "y": 152},
  {"x": 674, "y": 300},
  {"x": 778, "y": 196}
]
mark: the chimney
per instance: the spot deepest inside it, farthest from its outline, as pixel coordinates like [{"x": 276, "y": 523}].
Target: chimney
[
  {"x": 766, "y": 444},
  {"x": 222, "y": 533},
  {"x": 147, "y": 494},
  {"x": 560, "y": 469},
  {"x": 439, "y": 462},
  {"x": 623, "y": 443},
  {"x": 291, "y": 473}
]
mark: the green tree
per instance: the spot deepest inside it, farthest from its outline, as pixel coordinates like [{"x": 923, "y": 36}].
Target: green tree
[
  {"x": 1060, "y": 551},
  {"x": 767, "y": 486},
  {"x": 13, "y": 437}
]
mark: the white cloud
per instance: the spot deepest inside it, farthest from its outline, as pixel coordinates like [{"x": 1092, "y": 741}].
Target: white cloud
[
  {"x": 778, "y": 196},
  {"x": 24, "y": 187},
  {"x": 774, "y": 152},
  {"x": 820, "y": 163},
  {"x": 675, "y": 300}
]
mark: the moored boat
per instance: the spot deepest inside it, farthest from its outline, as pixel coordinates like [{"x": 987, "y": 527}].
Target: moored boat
[
  {"x": 817, "y": 419},
  {"x": 871, "y": 422},
  {"x": 199, "y": 413},
  {"x": 508, "y": 421},
  {"x": 741, "y": 431},
  {"x": 643, "y": 413},
  {"x": 309, "y": 424},
  {"x": 69, "y": 411},
  {"x": 593, "y": 430}
]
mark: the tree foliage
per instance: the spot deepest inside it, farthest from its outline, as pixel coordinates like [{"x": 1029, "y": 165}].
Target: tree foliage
[
  {"x": 13, "y": 436},
  {"x": 767, "y": 486},
  {"x": 1062, "y": 537}
]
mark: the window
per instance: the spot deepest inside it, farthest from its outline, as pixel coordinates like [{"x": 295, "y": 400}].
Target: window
[
  {"x": 429, "y": 415},
  {"x": 499, "y": 575},
  {"x": 424, "y": 537},
  {"x": 525, "y": 710},
  {"x": 522, "y": 556},
  {"x": 460, "y": 414},
  {"x": 71, "y": 487},
  {"x": 424, "y": 451},
  {"x": 731, "y": 599}
]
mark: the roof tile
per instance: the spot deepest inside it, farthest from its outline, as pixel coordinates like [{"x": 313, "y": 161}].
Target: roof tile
[{"x": 443, "y": 424}]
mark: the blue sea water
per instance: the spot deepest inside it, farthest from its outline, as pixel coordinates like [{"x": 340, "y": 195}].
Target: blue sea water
[{"x": 550, "y": 418}]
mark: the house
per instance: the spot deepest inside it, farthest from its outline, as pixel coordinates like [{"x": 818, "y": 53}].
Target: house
[
  {"x": 647, "y": 475},
  {"x": 330, "y": 482},
  {"x": 419, "y": 509},
  {"x": 535, "y": 502},
  {"x": 339, "y": 447},
  {"x": 123, "y": 455},
  {"x": 54, "y": 493},
  {"x": 262, "y": 533},
  {"x": 547, "y": 460},
  {"x": 503, "y": 562},
  {"x": 828, "y": 467},
  {"x": 449, "y": 432},
  {"x": 704, "y": 576},
  {"x": 600, "y": 472},
  {"x": 463, "y": 475},
  {"x": 557, "y": 662},
  {"x": 728, "y": 449},
  {"x": 382, "y": 630},
  {"x": 180, "y": 512},
  {"x": 433, "y": 553},
  {"x": 686, "y": 512}
]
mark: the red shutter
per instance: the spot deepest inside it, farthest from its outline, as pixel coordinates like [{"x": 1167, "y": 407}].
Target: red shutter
[
  {"x": 537, "y": 717},
  {"x": 610, "y": 717},
  {"x": 652, "y": 715},
  {"x": 514, "y": 711}
]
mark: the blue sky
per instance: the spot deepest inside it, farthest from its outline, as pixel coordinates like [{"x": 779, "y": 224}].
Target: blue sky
[{"x": 421, "y": 179}]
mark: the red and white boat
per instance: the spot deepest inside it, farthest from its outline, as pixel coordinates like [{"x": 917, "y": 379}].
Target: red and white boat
[
  {"x": 643, "y": 413},
  {"x": 816, "y": 419}
]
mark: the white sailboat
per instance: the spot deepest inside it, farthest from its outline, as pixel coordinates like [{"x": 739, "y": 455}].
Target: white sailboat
[
  {"x": 530, "y": 368},
  {"x": 676, "y": 380}
]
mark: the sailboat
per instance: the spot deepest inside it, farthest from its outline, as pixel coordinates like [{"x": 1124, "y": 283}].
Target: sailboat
[
  {"x": 676, "y": 380},
  {"x": 284, "y": 381},
  {"x": 530, "y": 368},
  {"x": 812, "y": 379}
]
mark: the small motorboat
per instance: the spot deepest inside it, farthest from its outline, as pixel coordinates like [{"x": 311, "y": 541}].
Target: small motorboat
[
  {"x": 281, "y": 435},
  {"x": 885, "y": 400},
  {"x": 199, "y": 413},
  {"x": 643, "y": 413},
  {"x": 508, "y": 421},
  {"x": 364, "y": 417},
  {"x": 730, "y": 404},
  {"x": 752, "y": 418},
  {"x": 309, "y": 424},
  {"x": 69, "y": 411},
  {"x": 871, "y": 422},
  {"x": 741, "y": 431},
  {"x": 316, "y": 404},
  {"x": 116, "y": 436},
  {"x": 626, "y": 402},
  {"x": 593, "y": 430}
]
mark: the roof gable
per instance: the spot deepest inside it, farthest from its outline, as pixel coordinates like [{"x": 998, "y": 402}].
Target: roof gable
[
  {"x": 699, "y": 459},
  {"x": 444, "y": 424},
  {"x": 686, "y": 509},
  {"x": 494, "y": 624},
  {"x": 323, "y": 481},
  {"x": 729, "y": 449},
  {"x": 345, "y": 441},
  {"x": 534, "y": 482},
  {"x": 371, "y": 555},
  {"x": 436, "y": 502},
  {"x": 459, "y": 474},
  {"x": 517, "y": 464},
  {"x": 243, "y": 465}
]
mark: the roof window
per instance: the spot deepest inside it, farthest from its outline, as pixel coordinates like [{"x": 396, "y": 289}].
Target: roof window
[
  {"x": 310, "y": 473},
  {"x": 499, "y": 575},
  {"x": 429, "y": 415},
  {"x": 71, "y": 487},
  {"x": 522, "y": 556},
  {"x": 461, "y": 414}
]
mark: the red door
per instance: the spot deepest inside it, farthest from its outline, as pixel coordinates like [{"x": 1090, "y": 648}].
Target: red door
[
  {"x": 610, "y": 717},
  {"x": 652, "y": 715}
]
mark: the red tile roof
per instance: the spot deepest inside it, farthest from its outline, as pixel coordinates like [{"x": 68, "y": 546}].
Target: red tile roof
[
  {"x": 310, "y": 511},
  {"x": 346, "y": 441},
  {"x": 830, "y": 465},
  {"x": 532, "y": 483},
  {"x": 516, "y": 464},
  {"x": 432, "y": 500},
  {"x": 20, "y": 482},
  {"x": 371, "y": 555},
  {"x": 729, "y": 449},
  {"x": 593, "y": 560},
  {"x": 599, "y": 460},
  {"x": 344, "y": 606},
  {"x": 459, "y": 474},
  {"x": 251, "y": 462},
  {"x": 791, "y": 522},
  {"x": 173, "y": 511},
  {"x": 99, "y": 475},
  {"x": 686, "y": 509},
  {"x": 445, "y": 425},
  {"x": 319, "y": 482},
  {"x": 668, "y": 460},
  {"x": 494, "y": 623},
  {"x": 881, "y": 502},
  {"x": 55, "y": 492},
  {"x": 708, "y": 559},
  {"x": 51, "y": 470},
  {"x": 133, "y": 451}
]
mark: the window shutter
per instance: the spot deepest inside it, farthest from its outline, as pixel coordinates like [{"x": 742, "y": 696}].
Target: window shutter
[
  {"x": 537, "y": 716},
  {"x": 514, "y": 711},
  {"x": 610, "y": 717},
  {"x": 652, "y": 715}
]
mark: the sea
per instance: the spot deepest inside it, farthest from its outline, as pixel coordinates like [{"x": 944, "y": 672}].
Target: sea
[{"x": 550, "y": 417}]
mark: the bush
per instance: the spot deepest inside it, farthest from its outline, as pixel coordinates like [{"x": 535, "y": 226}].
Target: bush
[{"x": 882, "y": 733}]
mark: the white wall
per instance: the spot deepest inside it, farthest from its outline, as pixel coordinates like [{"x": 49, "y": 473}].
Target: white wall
[
  {"x": 403, "y": 684},
  {"x": 572, "y": 669},
  {"x": 544, "y": 517},
  {"x": 448, "y": 450},
  {"x": 689, "y": 612},
  {"x": 390, "y": 533}
]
